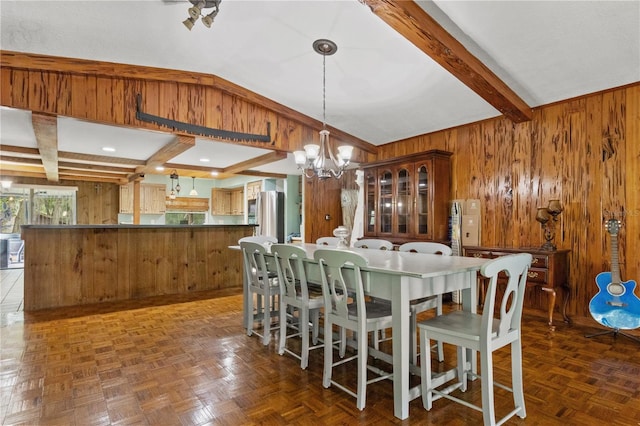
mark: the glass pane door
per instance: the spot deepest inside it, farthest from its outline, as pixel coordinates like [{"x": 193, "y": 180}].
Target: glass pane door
[
  {"x": 403, "y": 201},
  {"x": 385, "y": 206},
  {"x": 422, "y": 201},
  {"x": 370, "y": 202}
]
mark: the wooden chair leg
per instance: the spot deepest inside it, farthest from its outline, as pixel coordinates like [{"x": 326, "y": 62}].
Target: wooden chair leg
[
  {"x": 303, "y": 327},
  {"x": 363, "y": 352},
  {"x": 425, "y": 371},
  {"x": 315, "y": 322},
  {"x": 516, "y": 378},
  {"x": 328, "y": 353},
  {"x": 283, "y": 329},
  {"x": 486, "y": 378}
]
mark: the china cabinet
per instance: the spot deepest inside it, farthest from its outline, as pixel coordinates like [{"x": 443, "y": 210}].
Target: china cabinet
[{"x": 406, "y": 198}]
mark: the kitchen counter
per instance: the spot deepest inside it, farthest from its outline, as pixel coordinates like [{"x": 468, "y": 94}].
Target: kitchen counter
[{"x": 85, "y": 264}]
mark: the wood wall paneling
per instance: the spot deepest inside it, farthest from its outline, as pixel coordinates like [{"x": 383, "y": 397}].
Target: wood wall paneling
[{"x": 584, "y": 151}]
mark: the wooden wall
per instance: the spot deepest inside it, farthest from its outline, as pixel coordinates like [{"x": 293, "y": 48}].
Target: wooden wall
[
  {"x": 322, "y": 197},
  {"x": 583, "y": 151},
  {"x": 97, "y": 203}
]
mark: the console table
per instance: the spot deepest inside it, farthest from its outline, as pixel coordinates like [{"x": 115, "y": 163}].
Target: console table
[{"x": 549, "y": 271}]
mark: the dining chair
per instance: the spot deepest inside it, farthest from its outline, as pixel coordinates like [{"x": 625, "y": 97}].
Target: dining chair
[
  {"x": 296, "y": 295},
  {"x": 261, "y": 239},
  {"x": 264, "y": 285},
  {"x": 374, "y": 243},
  {"x": 345, "y": 306},
  {"x": 483, "y": 333},
  {"x": 328, "y": 241},
  {"x": 427, "y": 303}
]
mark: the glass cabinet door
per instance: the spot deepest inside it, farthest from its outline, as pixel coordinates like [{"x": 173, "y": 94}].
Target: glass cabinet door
[
  {"x": 385, "y": 201},
  {"x": 403, "y": 200},
  {"x": 422, "y": 201},
  {"x": 370, "y": 202}
]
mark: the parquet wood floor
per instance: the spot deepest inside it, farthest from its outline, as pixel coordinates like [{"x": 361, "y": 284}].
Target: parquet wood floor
[{"x": 171, "y": 361}]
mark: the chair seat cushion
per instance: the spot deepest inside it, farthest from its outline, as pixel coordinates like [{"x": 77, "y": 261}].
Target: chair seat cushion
[{"x": 461, "y": 324}]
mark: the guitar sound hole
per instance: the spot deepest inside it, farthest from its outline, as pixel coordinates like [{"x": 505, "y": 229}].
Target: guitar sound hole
[{"x": 616, "y": 289}]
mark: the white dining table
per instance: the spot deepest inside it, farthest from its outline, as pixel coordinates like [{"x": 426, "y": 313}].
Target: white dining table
[{"x": 400, "y": 277}]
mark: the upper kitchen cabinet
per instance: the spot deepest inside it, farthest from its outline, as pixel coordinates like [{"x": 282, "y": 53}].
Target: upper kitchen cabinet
[
  {"x": 227, "y": 201},
  {"x": 253, "y": 188},
  {"x": 152, "y": 198},
  {"x": 407, "y": 198}
]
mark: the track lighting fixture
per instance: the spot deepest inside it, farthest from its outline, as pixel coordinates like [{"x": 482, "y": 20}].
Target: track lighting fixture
[{"x": 195, "y": 12}]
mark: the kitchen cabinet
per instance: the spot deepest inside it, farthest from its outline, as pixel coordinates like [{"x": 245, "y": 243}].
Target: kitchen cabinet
[
  {"x": 152, "y": 198},
  {"x": 407, "y": 198},
  {"x": 549, "y": 270},
  {"x": 226, "y": 201},
  {"x": 253, "y": 188}
]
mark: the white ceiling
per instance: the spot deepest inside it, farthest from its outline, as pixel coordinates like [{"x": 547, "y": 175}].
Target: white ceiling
[{"x": 379, "y": 87}]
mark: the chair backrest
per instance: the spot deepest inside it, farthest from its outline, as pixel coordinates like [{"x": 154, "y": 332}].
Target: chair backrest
[
  {"x": 515, "y": 267},
  {"x": 374, "y": 243},
  {"x": 328, "y": 241},
  {"x": 290, "y": 266},
  {"x": 426, "y": 247},
  {"x": 341, "y": 279},
  {"x": 260, "y": 239},
  {"x": 255, "y": 265}
]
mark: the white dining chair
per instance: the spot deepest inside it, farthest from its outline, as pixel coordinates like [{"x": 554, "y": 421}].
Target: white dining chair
[
  {"x": 296, "y": 297},
  {"x": 374, "y": 243},
  {"x": 328, "y": 241},
  {"x": 260, "y": 239},
  {"x": 427, "y": 303},
  {"x": 262, "y": 283},
  {"x": 346, "y": 307},
  {"x": 483, "y": 333}
]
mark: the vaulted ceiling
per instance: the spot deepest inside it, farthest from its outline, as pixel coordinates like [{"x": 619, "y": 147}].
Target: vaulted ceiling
[{"x": 402, "y": 68}]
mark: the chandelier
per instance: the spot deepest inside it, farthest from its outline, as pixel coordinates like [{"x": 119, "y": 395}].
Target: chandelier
[
  {"x": 195, "y": 12},
  {"x": 174, "y": 190},
  {"x": 318, "y": 160}
]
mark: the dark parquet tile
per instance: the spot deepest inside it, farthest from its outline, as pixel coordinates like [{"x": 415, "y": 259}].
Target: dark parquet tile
[{"x": 173, "y": 361}]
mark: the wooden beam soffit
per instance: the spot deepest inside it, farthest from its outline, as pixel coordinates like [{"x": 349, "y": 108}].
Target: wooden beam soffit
[
  {"x": 412, "y": 22},
  {"x": 45, "y": 128},
  {"x": 255, "y": 162},
  {"x": 177, "y": 146},
  {"x": 31, "y": 61}
]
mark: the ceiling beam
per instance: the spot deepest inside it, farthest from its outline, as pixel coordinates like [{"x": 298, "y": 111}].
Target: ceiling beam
[
  {"x": 45, "y": 128},
  {"x": 65, "y": 155},
  {"x": 255, "y": 162},
  {"x": 177, "y": 146},
  {"x": 412, "y": 22}
]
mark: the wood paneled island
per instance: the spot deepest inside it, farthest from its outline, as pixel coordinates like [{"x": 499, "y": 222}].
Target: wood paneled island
[{"x": 85, "y": 264}]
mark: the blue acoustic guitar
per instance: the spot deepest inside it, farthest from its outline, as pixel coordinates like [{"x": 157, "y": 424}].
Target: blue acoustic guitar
[{"x": 615, "y": 305}]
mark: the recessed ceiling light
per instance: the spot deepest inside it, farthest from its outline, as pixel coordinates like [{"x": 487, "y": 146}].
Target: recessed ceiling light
[
  {"x": 204, "y": 160},
  {"x": 108, "y": 149},
  {"x": 214, "y": 173},
  {"x": 159, "y": 168}
]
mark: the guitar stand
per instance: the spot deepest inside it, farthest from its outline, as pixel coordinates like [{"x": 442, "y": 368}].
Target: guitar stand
[{"x": 615, "y": 333}]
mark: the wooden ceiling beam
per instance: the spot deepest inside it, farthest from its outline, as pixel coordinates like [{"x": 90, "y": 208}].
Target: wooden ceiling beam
[
  {"x": 255, "y": 162},
  {"x": 177, "y": 146},
  {"x": 65, "y": 155},
  {"x": 412, "y": 22},
  {"x": 45, "y": 128}
]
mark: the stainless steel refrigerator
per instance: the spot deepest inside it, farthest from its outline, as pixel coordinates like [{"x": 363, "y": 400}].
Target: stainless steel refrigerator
[{"x": 270, "y": 214}]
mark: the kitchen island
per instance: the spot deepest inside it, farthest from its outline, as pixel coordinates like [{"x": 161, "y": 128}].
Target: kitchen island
[{"x": 86, "y": 264}]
